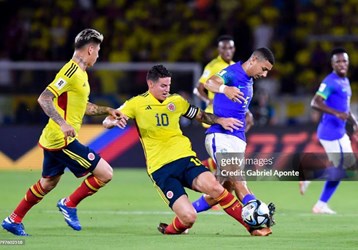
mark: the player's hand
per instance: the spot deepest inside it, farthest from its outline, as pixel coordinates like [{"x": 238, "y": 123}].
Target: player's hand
[
  {"x": 341, "y": 115},
  {"x": 230, "y": 124},
  {"x": 68, "y": 130},
  {"x": 121, "y": 119},
  {"x": 234, "y": 94},
  {"x": 111, "y": 122},
  {"x": 117, "y": 114}
]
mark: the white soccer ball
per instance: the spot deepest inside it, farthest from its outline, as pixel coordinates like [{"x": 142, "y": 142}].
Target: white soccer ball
[{"x": 255, "y": 213}]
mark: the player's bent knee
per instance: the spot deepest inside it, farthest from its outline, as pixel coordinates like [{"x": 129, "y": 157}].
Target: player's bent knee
[
  {"x": 103, "y": 171},
  {"x": 216, "y": 189},
  {"x": 188, "y": 218}
]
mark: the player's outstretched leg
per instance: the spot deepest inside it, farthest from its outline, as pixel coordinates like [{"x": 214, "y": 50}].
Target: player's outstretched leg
[
  {"x": 34, "y": 195},
  {"x": 14, "y": 228}
]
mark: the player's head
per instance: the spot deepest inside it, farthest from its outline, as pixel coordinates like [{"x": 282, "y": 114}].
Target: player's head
[
  {"x": 88, "y": 42},
  {"x": 340, "y": 61},
  {"x": 159, "y": 80},
  {"x": 260, "y": 63},
  {"x": 226, "y": 47}
]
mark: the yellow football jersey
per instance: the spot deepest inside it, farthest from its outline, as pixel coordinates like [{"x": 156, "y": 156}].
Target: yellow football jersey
[
  {"x": 159, "y": 128},
  {"x": 71, "y": 90},
  {"x": 213, "y": 67}
]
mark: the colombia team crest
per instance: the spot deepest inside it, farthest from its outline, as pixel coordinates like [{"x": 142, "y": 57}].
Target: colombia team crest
[{"x": 171, "y": 106}]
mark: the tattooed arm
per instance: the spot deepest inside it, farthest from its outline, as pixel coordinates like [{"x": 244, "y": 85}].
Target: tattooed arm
[
  {"x": 93, "y": 109},
  {"x": 46, "y": 102},
  {"x": 227, "y": 123}
]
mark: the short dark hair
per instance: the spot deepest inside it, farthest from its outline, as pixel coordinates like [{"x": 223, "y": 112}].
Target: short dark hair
[
  {"x": 336, "y": 51},
  {"x": 224, "y": 38},
  {"x": 266, "y": 53},
  {"x": 87, "y": 36},
  {"x": 158, "y": 71}
]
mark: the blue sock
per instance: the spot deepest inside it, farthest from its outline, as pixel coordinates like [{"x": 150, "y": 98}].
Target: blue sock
[
  {"x": 201, "y": 204},
  {"x": 247, "y": 198},
  {"x": 328, "y": 190}
]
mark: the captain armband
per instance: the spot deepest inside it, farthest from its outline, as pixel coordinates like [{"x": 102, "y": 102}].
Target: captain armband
[{"x": 191, "y": 112}]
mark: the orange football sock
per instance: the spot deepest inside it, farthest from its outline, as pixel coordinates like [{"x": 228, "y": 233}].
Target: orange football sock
[
  {"x": 88, "y": 187},
  {"x": 33, "y": 196},
  {"x": 232, "y": 207},
  {"x": 176, "y": 227}
]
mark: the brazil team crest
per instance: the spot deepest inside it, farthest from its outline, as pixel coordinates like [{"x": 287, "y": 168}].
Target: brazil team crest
[{"x": 171, "y": 106}]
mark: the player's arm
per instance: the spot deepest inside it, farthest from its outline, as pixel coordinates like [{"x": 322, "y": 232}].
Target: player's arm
[
  {"x": 353, "y": 120},
  {"x": 93, "y": 109},
  {"x": 199, "y": 91},
  {"x": 227, "y": 123},
  {"x": 318, "y": 104},
  {"x": 216, "y": 84},
  {"x": 208, "y": 118},
  {"x": 249, "y": 120},
  {"x": 46, "y": 102}
]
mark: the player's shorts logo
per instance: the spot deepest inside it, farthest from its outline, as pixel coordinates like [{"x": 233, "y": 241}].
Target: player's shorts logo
[
  {"x": 171, "y": 106},
  {"x": 91, "y": 156},
  {"x": 169, "y": 194}
]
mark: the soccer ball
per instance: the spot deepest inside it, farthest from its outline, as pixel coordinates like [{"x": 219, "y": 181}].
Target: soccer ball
[{"x": 255, "y": 213}]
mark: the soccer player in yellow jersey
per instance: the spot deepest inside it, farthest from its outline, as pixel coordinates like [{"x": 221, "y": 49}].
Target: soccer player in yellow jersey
[
  {"x": 65, "y": 101},
  {"x": 171, "y": 162},
  {"x": 226, "y": 49}
]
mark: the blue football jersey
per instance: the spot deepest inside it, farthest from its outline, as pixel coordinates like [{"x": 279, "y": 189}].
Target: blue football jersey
[
  {"x": 233, "y": 75},
  {"x": 337, "y": 93}
]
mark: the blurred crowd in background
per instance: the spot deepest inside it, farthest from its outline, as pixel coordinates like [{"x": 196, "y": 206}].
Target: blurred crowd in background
[{"x": 301, "y": 34}]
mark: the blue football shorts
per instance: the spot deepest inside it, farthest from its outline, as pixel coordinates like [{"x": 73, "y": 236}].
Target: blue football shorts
[
  {"x": 78, "y": 158},
  {"x": 171, "y": 179}
]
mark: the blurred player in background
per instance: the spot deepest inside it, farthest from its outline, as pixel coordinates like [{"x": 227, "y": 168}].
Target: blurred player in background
[
  {"x": 234, "y": 90},
  {"x": 171, "y": 162},
  {"x": 65, "y": 101},
  {"x": 333, "y": 100},
  {"x": 226, "y": 49}
]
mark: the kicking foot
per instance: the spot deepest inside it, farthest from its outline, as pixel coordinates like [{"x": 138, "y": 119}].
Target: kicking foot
[{"x": 70, "y": 214}]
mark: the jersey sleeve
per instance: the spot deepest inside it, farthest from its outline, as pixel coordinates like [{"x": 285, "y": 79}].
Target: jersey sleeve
[
  {"x": 206, "y": 75},
  {"x": 324, "y": 90},
  {"x": 63, "y": 80},
  {"x": 128, "y": 108},
  {"x": 226, "y": 75}
]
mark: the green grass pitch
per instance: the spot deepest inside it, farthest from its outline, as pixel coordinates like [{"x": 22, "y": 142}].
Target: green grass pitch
[{"x": 125, "y": 213}]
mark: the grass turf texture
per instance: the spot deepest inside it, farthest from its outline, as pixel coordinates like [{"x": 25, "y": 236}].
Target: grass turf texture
[{"x": 124, "y": 215}]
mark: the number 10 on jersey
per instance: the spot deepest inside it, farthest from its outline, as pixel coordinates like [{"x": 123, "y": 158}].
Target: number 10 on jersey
[{"x": 162, "y": 119}]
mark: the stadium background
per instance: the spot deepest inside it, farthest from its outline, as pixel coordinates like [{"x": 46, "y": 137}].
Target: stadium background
[{"x": 301, "y": 33}]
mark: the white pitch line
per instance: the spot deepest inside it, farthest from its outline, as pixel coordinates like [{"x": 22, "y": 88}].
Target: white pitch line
[
  {"x": 120, "y": 212},
  {"x": 132, "y": 212}
]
